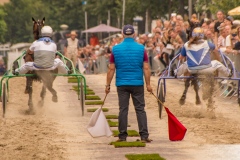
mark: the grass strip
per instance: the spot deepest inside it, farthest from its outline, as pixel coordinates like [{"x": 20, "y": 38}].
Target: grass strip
[
  {"x": 72, "y": 81},
  {"x": 128, "y": 144},
  {"x": 131, "y": 133},
  {"x": 90, "y": 93},
  {"x": 111, "y": 116},
  {"x": 94, "y": 109},
  {"x": 76, "y": 87},
  {"x": 114, "y": 124},
  {"x": 153, "y": 156},
  {"x": 88, "y": 97},
  {"x": 94, "y": 103},
  {"x": 72, "y": 77},
  {"x": 87, "y": 89}
]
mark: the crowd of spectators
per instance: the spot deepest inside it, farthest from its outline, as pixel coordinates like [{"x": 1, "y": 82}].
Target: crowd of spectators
[{"x": 167, "y": 38}]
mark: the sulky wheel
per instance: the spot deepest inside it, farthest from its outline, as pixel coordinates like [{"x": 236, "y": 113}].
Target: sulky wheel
[
  {"x": 161, "y": 98},
  {"x": 4, "y": 98},
  {"x": 82, "y": 96}
]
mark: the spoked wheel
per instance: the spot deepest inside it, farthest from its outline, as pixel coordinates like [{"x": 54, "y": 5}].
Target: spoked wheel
[
  {"x": 82, "y": 97},
  {"x": 162, "y": 99},
  {"x": 4, "y": 98}
]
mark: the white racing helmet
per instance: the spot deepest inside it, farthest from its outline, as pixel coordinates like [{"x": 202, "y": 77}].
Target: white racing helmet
[{"x": 46, "y": 31}]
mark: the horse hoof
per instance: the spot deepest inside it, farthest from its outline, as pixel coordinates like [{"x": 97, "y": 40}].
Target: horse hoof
[
  {"x": 204, "y": 97},
  {"x": 40, "y": 103},
  {"x": 54, "y": 98},
  {"x": 198, "y": 102},
  {"x": 26, "y": 91},
  {"x": 182, "y": 101},
  {"x": 30, "y": 112}
]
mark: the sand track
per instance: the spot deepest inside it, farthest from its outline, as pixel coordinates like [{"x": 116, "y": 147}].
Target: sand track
[{"x": 58, "y": 131}]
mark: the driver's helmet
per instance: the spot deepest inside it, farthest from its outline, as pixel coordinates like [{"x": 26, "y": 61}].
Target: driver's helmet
[
  {"x": 198, "y": 32},
  {"x": 46, "y": 31}
]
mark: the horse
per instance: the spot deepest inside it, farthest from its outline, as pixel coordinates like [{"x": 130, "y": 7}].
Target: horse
[
  {"x": 207, "y": 81},
  {"x": 44, "y": 76}
]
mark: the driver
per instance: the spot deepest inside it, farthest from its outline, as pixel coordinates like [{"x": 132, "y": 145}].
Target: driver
[
  {"x": 198, "y": 59},
  {"x": 44, "y": 50}
]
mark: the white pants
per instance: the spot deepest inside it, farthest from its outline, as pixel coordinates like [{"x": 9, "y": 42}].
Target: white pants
[
  {"x": 216, "y": 65},
  {"x": 28, "y": 66}
]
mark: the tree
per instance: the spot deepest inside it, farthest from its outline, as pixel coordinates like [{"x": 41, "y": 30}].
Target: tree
[
  {"x": 19, "y": 20},
  {"x": 3, "y": 26},
  {"x": 212, "y": 6}
]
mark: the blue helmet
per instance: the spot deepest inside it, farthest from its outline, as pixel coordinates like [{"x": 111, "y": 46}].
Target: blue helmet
[{"x": 198, "y": 32}]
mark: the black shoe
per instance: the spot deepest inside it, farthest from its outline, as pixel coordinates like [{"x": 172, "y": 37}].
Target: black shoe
[{"x": 145, "y": 140}]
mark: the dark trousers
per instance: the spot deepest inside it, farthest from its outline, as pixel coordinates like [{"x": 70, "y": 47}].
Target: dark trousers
[{"x": 137, "y": 94}]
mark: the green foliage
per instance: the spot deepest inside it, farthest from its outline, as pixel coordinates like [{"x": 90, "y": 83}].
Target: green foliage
[
  {"x": 213, "y": 6},
  {"x": 154, "y": 156},
  {"x": 18, "y": 19},
  {"x": 16, "y": 23},
  {"x": 128, "y": 144},
  {"x": 3, "y": 26}
]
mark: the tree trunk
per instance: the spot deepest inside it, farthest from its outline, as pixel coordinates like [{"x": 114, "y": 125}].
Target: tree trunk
[
  {"x": 169, "y": 8},
  {"x": 181, "y": 7}
]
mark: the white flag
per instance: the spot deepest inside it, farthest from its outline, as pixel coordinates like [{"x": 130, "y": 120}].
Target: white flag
[{"x": 98, "y": 125}]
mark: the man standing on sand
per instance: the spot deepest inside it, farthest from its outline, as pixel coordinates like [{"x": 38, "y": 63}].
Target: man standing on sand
[
  {"x": 130, "y": 61},
  {"x": 71, "y": 48}
]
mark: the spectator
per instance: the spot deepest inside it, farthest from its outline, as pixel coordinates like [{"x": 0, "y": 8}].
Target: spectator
[
  {"x": 237, "y": 50},
  {"x": 130, "y": 66},
  {"x": 211, "y": 27},
  {"x": 209, "y": 35},
  {"x": 229, "y": 21},
  {"x": 182, "y": 34},
  {"x": 231, "y": 40},
  {"x": 193, "y": 22},
  {"x": 94, "y": 40},
  {"x": 166, "y": 25},
  {"x": 173, "y": 20},
  {"x": 2, "y": 67},
  {"x": 175, "y": 39},
  {"x": 205, "y": 25},
  {"x": 71, "y": 48},
  {"x": 220, "y": 19},
  {"x": 210, "y": 38},
  {"x": 187, "y": 28}
]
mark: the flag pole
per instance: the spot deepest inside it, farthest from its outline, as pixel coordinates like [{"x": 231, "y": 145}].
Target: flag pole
[{"x": 158, "y": 99}]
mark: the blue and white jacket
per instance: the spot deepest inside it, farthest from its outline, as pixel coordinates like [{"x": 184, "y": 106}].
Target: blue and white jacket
[{"x": 198, "y": 55}]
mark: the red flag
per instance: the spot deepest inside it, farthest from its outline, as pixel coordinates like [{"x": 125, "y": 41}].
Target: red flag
[{"x": 176, "y": 130}]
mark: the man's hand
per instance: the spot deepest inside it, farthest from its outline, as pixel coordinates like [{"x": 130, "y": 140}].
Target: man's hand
[
  {"x": 107, "y": 89},
  {"x": 149, "y": 88}
]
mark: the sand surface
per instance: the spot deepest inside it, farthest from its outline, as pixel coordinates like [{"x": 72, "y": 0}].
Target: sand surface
[{"x": 58, "y": 130}]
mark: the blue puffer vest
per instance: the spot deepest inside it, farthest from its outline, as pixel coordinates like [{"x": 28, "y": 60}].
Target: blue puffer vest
[{"x": 128, "y": 57}]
